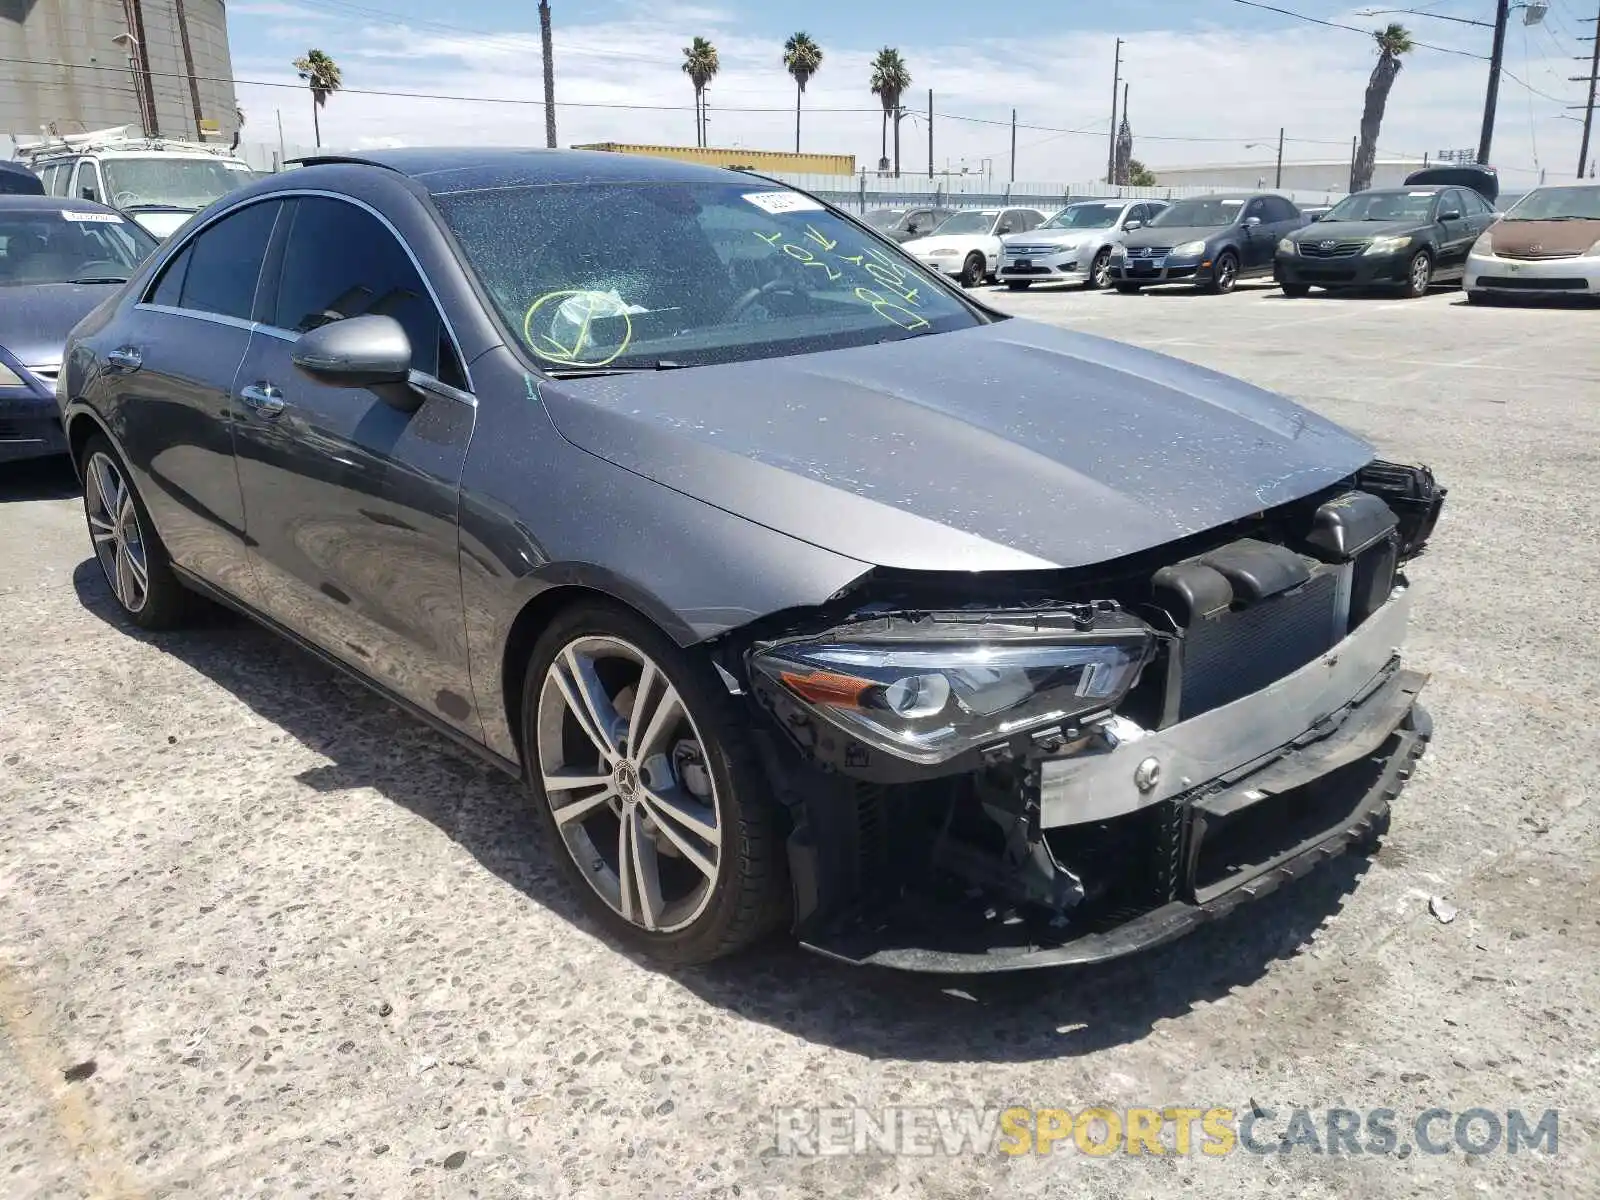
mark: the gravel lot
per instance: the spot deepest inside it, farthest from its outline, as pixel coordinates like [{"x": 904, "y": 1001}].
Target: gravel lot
[{"x": 262, "y": 935}]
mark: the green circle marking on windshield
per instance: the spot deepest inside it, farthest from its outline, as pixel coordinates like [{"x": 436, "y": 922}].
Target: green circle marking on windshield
[{"x": 578, "y": 328}]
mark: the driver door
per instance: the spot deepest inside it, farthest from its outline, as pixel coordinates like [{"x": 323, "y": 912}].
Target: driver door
[
  {"x": 1258, "y": 241},
  {"x": 350, "y": 501}
]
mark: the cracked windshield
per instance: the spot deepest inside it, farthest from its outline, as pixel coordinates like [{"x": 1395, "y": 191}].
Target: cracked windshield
[
  {"x": 190, "y": 183},
  {"x": 655, "y": 275}
]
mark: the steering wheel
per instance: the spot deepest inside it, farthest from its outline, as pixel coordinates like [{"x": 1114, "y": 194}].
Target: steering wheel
[
  {"x": 124, "y": 199},
  {"x": 738, "y": 308}
]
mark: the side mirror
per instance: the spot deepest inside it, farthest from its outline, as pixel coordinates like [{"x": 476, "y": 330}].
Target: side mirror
[
  {"x": 1004, "y": 228},
  {"x": 1130, "y": 226},
  {"x": 1450, "y": 215},
  {"x": 359, "y": 352},
  {"x": 1252, "y": 222}
]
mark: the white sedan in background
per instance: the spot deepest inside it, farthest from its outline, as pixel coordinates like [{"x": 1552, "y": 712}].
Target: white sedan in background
[
  {"x": 1074, "y": 246},
  {"x": 967, "y": 244}
]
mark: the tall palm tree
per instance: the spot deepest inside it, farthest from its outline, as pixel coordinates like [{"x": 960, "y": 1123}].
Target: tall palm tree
[
  {"x": 890, "y": 78},
  {"x": 801, "y": 58},
  {"x": 1393, "y": 43},
  {"x": 324, "y": 78},
  {"x": 700, "y": 64},
  {"x": 549, "y": 75}
]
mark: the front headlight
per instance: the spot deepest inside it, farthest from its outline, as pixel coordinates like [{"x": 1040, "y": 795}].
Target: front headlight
[
  {"x": 1287, "y": 246},
  {"x": 928, "y": 688},
  {"x": 1119, "y": 251},
  {"x": 944, "y": 253},
  {"x": 1594, "y": 250},
  {"x": 9, "y": 378},
  {"x": 1388, "y": 245},
  {"x": 1188, "y": 249}
]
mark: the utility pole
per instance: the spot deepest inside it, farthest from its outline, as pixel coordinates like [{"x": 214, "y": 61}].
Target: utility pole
[
  {"x": 1279, "y": 182},
  {"x": 1588, "y": 108},
  {"x": 1116, "y": 82},
  {"x": 1502, "y": 17},
  {"x": 1013, "y": 145},
  {"x": 1353, "y": 164},
  {"x": 930, "y": 133},
  {"x": 549, "y": 75}
]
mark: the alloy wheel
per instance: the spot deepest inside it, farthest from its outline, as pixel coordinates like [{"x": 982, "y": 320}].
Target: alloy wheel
[
  {"x": 1100, "y": 270},
  {"x": 1227, "y": 272},
  {"x": 627, "y": 778},
  {"x": 972, "y": 272},
  {"x": 1421, "y": 275},
  {"x": 114, "y": 528}
]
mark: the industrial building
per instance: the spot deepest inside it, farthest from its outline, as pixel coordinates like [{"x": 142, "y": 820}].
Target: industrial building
[
  {"x": 74, "y": 65},
  {"x": 738, "y": 159}
]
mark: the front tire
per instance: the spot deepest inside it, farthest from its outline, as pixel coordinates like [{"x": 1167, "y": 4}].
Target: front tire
[
  {"x": 643, "y": 776},
  {"x": 1019, "y": 285},
  {"x": 1224, "y": 275},
  {"x": 1099, "y": 271},
  {"x": 132, "y": 557},
  {"x": 1128, "y": 289},
  {"x": 1419, "y": 275},
  {"x": 974, "y": 270},
  {"x": 1296, "y": 291}
]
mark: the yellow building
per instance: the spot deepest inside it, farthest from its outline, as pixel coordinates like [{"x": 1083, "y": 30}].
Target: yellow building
[{"x": 750, "y": 160}]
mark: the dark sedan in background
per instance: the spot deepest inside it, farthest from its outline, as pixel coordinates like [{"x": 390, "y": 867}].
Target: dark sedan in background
[
  {"x": 1211, "y": 242},
  {"x": 903, "y": 224},
  {"x": 58, "y": 260},
  {"x": 801, "y": 589},
  {"x": 1407, "y": 238}
]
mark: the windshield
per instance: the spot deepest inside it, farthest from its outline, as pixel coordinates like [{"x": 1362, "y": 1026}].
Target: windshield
[
  {"x": 884, "y": 218},
  {"x": 643, "y": 275},
  {"x": 1207, "y": 213},
  {"x": 1085, "y": 216},
  {"x": 1556, "y": 204},
  {"x": 190, "y": 183},
  {"x": 1383, "y": 206},
  {"x": 967, "y": 222},
  {"x": 64, "y": 246}
]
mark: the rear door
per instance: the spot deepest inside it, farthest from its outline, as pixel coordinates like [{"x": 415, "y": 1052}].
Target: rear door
[
  {"x": 350, "y": 501},
  {"x": 167, "y": 369}
]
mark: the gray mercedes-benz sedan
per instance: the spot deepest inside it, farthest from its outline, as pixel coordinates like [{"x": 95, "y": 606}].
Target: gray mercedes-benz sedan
[{"x": 802, "y": 589}]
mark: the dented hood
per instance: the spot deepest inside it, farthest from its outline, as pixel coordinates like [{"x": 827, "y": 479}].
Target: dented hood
[{"x": 1007, "y": 446}]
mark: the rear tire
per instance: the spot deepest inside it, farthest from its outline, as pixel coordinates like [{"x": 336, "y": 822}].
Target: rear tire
[
  {"x": 973, "y": 270},
  {"x": 707, "y": 882},
  {"x": 135, "y": 563}
]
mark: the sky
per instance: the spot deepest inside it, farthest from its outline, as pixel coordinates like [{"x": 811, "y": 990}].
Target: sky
[{"x": 1208, "y": 78}]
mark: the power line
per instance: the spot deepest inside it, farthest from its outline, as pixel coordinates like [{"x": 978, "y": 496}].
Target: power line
[{"x": 1352, "y": 28}]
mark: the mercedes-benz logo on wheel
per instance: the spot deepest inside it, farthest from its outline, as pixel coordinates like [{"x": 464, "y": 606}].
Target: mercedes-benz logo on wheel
[{"x": 627, "y": 781}]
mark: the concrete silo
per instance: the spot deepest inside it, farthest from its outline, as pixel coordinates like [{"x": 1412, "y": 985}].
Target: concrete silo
[{"x": 71, "y": 66}]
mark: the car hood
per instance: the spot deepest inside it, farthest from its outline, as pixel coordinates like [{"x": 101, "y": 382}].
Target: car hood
[
  {"x": 954, "y": 241},
  {"x": 1053, "y": 237},
  {"x": 36, "y": 318},
  {"x": 1547, "y": 238},
  {"x": 1175, "y": 235},
  {"x": 1008, "y": 446},
  {"x": 1345, "y": 231},
  {"x": 162, "y": 222}
]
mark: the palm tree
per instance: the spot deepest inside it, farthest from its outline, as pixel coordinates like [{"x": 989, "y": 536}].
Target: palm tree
[
  {"x": 890, "y": 78},
  {"x": 1393, "y": 42},
  {"x": 322, "y": 74},
  {"x": 801, "y": 57},
  {"x": 700, "y": 65}
]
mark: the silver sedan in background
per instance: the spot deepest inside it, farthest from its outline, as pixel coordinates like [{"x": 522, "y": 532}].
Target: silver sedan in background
[{"x": 1074, "y": 246}]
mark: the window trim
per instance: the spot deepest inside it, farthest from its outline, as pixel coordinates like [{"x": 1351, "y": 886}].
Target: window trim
[{"x": 288, "y": 335}]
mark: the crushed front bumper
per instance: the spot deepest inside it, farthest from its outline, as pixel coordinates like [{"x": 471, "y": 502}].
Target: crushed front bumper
[{"x": 1242, "y": 798}]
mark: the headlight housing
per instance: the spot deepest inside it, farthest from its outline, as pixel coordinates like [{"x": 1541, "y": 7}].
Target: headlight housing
[
  {"x": 942, "y": 252},
  {"x": 1594, "y": 250},
  {"x": 1119, "y": 251},
  {"x": 927, "y": 688},
  {"x": 1388, "y": 245},
  {"x": 1287, "y": 246},
  {"x": 1484, "y": 244},
  {"x": 1188, "y": 249},
  {"x": 9, "y": 378}
]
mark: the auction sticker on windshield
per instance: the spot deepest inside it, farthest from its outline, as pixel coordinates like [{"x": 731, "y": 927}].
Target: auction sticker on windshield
[
  {"x": 97, "y": 218},
  {"x": 783, "y": 202}
]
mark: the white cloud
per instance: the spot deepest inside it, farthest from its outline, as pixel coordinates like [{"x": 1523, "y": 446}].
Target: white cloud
[{"x": 1227, "y": 85}]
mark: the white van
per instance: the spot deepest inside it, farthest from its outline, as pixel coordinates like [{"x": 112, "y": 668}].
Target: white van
[{"x": 157, "y": 182}]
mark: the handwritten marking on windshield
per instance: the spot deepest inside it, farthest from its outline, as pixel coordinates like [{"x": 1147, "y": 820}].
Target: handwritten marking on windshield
[{"x": 569, "y": 317}]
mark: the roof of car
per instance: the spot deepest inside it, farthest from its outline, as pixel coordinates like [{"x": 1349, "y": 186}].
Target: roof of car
[
  {"x": 29, "y": 203},
  {"x": 1406, "y": 191},
  {"x": 469, "y": 168}
]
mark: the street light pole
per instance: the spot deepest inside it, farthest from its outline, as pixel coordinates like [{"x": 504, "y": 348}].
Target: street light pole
[
  {"x": 1502, "y": 17},
  {"x": 1588, "y": 110},
  {"x": 1279, "y": 182}
]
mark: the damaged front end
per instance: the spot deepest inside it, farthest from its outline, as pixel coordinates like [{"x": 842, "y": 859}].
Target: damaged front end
[{"x": 994, "y": 773}]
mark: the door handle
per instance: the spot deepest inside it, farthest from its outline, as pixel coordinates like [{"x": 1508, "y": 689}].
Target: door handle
[
  {"x": 263, "y": 398},
  {"x": 125, "y": 358}
]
